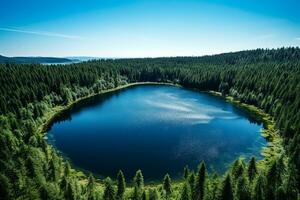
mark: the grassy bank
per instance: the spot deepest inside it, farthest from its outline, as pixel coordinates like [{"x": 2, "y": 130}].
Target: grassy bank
[{"x": 274, "y": 146}]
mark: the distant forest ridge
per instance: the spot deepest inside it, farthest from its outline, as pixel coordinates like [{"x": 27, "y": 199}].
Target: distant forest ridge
[
  {"x": 281, "y": 54},
  {"x": 27, "y": 60}
]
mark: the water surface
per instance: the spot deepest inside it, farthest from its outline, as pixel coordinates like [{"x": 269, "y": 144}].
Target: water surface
[{"x": 158, "y": 129}]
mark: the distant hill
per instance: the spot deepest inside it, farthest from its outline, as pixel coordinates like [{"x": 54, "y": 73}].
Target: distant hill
[{"x": 42, "y": 60}]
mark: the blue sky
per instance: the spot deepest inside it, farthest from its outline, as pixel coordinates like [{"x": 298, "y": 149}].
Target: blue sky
[{"x": 140, "y": 28}]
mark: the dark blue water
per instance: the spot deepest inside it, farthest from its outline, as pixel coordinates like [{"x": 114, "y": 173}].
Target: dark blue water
[{"x": 158, "y": 129}]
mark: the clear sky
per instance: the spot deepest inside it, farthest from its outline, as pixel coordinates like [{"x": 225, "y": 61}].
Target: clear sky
[{"x": 140, "y": 28}]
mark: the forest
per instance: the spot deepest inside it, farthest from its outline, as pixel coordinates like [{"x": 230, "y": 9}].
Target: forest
[{"x": 268, "y": 79}]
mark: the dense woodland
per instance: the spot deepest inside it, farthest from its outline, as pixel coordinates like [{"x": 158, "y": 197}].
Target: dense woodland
[{"x": 31, "y": 169}]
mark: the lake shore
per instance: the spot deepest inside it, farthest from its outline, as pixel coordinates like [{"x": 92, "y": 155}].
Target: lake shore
[
  {"x": 56, "y": 111},
  {"x": 273, "y": 148}
]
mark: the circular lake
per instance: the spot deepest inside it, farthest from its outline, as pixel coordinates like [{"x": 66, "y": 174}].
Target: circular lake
[{"x": 155, "y": 128}]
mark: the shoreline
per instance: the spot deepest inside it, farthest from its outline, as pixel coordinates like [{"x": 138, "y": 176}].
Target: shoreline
[
  {"x": 274, "y": 145},
  {"x": 268, "y": 152},
  {"x": 56, "y": 111}
]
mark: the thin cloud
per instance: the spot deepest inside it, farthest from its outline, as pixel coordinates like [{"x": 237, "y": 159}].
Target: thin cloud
[{"x": 42, "y": 33}]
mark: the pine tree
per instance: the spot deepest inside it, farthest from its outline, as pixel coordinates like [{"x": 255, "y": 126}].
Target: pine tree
[
  {"x": 167, "y": 185},
  {"x": 185, "y": 192},
  {"x": 91, "y": 188},
  {"x": 139, "y": 179},
  {"x": 252, "y": 170},
  {"x": 259, "y": 188},
  {"x": 242, "y": 191},
  {"x": 273, "y": 179},
  {"x": 191, "y": 180},
  {"x": 109, "y": 192},
  {"x": 200, "y": 184},
  {"x": 121, "y": 185},
  {"x": 226, "y": 192},
  {"x": 138, "y": 185},
  {"x": 291, "y": 184},
  {"x": 237, "y": 169},
  {"x": 5, "y": 188},
  {"x": 186, "y": 172}
]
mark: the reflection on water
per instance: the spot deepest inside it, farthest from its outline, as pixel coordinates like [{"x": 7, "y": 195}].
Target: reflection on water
[{"x": 158, "y": 129}]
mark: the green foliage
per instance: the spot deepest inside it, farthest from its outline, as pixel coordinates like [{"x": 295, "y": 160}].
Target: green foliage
[
  {"x": 153, "y": 194},
  {"x": 31, "y": 94},
  {"x": 139, "y": 179},
  {"x": 226, "y": 192},
  {"x": 167, "y": 185},
  {"x": 243, "y": 190},
  {"x": 186, "y": 172},
  {"x": 252, "y": 169},
  {"x": 200, "y": 184},
  {"x": 138, "y": 185},
  {"x": 259, "y": 188},
  {"x": 121, "y": 185},
  {"x": 186, "y": 192},
  {"x": 109, "y": 192}
]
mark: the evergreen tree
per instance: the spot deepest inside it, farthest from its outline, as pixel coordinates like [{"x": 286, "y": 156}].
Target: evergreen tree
[
  {"x": 109, "y": 192},
  {"x": 242, "y": 191},
  {"x": 185, "y": 192},
  {"x": 259, "y": 188},
  {"x": 186, "y": 172},
  {"x": 121, "y": 185},
  {"x": 5, "y": 188},
  {"x": 167, "y": 185},
  {"x": 291, "y": 184},
  {"x": 200, "y": 184},
  {"x": 138, "y": 185},
  {"x": 252, "y": 170},
  {"x": 91, "y": 187},
  {"x": 237, "y": 169},
  {"x": 191, "y": 181},
  {"x": 226, "y": 192},
  {"x": 273, "y": 180},
  {"x": 139, "y": 179}
]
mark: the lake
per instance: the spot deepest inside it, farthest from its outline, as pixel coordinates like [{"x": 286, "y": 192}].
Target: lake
[{"x": 155, "y": 128}]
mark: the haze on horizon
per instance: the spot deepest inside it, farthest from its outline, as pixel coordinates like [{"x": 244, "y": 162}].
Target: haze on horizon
[{"x": 141, "y": 28}]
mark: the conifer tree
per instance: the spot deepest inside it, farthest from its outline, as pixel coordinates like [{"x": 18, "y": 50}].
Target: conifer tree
[
  {"x": 139, "y": 179},
  {"x": 237, "y": 169},
  {"x": 138, "y": 185},
  {"x": 121, "y": 185},
  {"x": 191, "y": 180},
  {"x": 167, "y": 185},
  {"x": 185, "y": 192},
  {"x": 272, "y": 181},
  {"x": 291, "y": 184},
  {"x": 242, "y": 190},
  {"x": 259, "y": 188},
  {"x": 186, "y": 172},
  {"x": 109, "y": 192},
  {"x": 91, "y": 188},
  {"x": 226, "y": 192},
  {"x": 252, "y": 170},
  {"x": 200, "y": 184}
]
